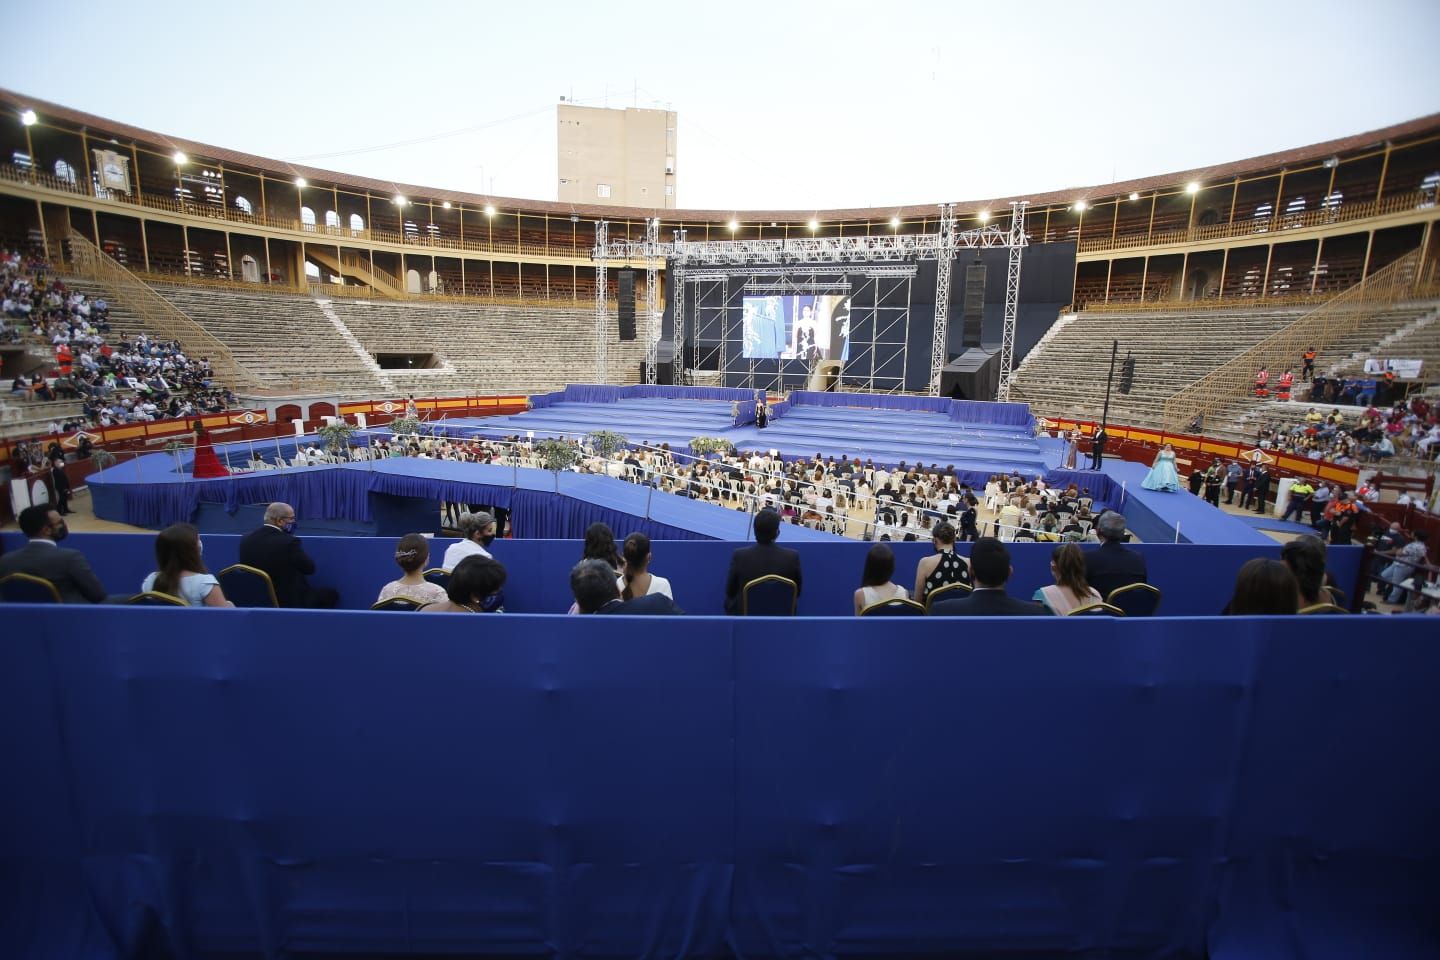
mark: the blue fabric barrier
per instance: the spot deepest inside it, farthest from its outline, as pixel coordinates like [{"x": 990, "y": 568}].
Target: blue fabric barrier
[
  {"x": 778, "y": 410},
  {"x": 283, "y": 783},
  {"x": 1195, "y": 580},
  {"x": 604, "y": 393},
  {"x": 542, "y": 400}
]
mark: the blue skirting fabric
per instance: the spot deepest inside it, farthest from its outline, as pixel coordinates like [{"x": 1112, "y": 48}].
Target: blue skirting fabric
[
  {"x": 305, "y": 783},
  {"x": 605, "y": 393},
  {"x": 961, "y": 411}
]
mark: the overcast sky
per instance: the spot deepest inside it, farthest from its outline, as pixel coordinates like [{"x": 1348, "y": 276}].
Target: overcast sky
[{"x": 781, "y": 104}]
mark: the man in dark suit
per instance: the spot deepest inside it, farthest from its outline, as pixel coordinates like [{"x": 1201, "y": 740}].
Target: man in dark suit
[
  {"x": 596, "y": 590},
  {"x": 990, "y": 566},
  {"x": 42, "y": 557},
  {"x": 1097, "y": 448},
  {"x": 275, "y": 549},
  {"x": 751, "y": 563},
  {"x": 1113, "y": 565}
]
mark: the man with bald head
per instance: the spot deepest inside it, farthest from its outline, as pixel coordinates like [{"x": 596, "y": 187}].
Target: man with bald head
[{"x": 275, "y": 549}]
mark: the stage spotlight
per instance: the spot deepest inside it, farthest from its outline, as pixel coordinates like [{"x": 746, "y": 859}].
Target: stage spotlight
[
  {"x": 894, "y": 223},
  {"x": 28, "y": 118},
  {"x": 180, "y": 159},
  {"x": 445, "y": 205},
  {"x": 1192, "y": 187},
  {"x": 814, "y": 225},
  {"x": 400, "y": 200},
  {"x": 1134, "y": 196},
  {"x": 734, "y": 225},
  {"x": 489, "y": 210},
  {"x": 1081, "y": 206}
]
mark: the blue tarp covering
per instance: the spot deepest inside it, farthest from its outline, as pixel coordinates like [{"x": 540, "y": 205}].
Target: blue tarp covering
[{"x": 283, "y": 783}]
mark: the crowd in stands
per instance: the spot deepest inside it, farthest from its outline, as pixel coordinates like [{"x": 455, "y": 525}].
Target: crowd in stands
[
  {"x": 120, "y": 380},
  {"x": 611, "y": 580},
  {"x": 1408, "y": 429}
]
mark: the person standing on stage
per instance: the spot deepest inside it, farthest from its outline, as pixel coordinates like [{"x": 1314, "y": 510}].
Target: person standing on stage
[
  {"x": 762, "y": 412},
  {"x": 1097, "y": 452},
  {"x": 1072, "y": 449}
]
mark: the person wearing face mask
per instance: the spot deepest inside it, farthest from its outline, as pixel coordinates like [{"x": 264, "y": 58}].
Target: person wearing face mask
[
  {"x": 42, "y": 557},
  {"x": 275, "y": 549},
  {"x": 179, "y": 570},
  {"x": 477, "y": 532}
]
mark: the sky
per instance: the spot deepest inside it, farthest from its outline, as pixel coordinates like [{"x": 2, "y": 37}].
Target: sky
[{"x": 782, "y": 105}]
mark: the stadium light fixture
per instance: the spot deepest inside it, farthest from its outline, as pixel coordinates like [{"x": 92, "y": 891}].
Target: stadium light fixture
[
  {"x": 400, "y": 200},
  {"x": 984, "y": 216},
  {"x": 1192, "y": 187},
  {"x": 489, "y": 210},
  {"x": 814, "y": 224},
  {"x": 734, "y": 225},
  {"x": 1134, "y": 196},
  {"x": 180, "y": 159},
  {"x": 445, "y": 205},
  {"x": 28, "y": 118},
  {"x": 301, "y": 183},
  {"x": 1081, "y": 206},
  {"x": 894, "y": 223}
]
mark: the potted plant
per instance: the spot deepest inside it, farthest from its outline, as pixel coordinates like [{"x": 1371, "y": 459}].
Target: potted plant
[
  {"x": 404, "y": 426},
  {"x": 336, "y": 436},
  {"x": 704, "y": 446},
  {"x": 605, "y": 443},
  {"x": 557, "y": 455}
]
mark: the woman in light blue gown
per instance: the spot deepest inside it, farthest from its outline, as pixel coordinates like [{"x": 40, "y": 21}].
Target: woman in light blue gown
[{"x": 1162, "y": 475}]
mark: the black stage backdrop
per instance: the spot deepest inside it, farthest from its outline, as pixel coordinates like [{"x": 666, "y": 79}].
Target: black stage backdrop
[{"x": 1046, "y": 284}]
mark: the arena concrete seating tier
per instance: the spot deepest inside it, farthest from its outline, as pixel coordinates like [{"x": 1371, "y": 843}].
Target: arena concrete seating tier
[
  {"x": 1064, "y": 374},
  {"x": 491, "y": 348},
  {"x": 1410, "y": 332},
  {"x": 282, "y": 338}
]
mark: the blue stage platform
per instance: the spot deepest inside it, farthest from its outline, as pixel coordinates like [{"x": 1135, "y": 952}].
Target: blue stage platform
[{"x": 1154, "y": 516}]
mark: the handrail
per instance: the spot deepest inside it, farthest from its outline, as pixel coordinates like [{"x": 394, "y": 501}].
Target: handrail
[
  {"x": 1278, "y": 223},
  {"x": 92, "y": 263},
  {"x": 1318, "y": 328},
  {"x": 1209, "y": 303}
]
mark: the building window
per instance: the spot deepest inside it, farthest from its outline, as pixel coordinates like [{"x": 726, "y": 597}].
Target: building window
[
  {"x": 602, "y": 190},
  {"x": 357, "y": 222},
  {"x": 243, "y": 206},
  {"x": 307, "y": 218},
  {"x": 669, "y": 189},
  {"x": 64, "y": 171},
  {"x": 332, "y": 219}
]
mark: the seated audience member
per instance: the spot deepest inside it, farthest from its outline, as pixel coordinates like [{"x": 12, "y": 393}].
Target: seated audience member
[
  {"x": 1113, "y": 565},
  {"x": 475, "y": 587},
  {"x": 600, "y": 545},
  {"x": 42, "y": 557},
  {"x": 636, "y": 580},
  {"x": 763, "y": 559},
  {"x": 875, "y": 585},
  {"x": 1305, "y": 556},
  {"x": 1264, "y": 587},
  {"x": 990, "y": 565},
  {"x": 275, "y": 549},
  {"x": 592, "y": 581},
  {"x": 944, "y": 566},
  {"x": 1405, "y": 564},
  {"x": 412, "y": 553},
  {"x": 477, "y": 532},
  {"x": 179, "y": 570},
  {"x": 1070, "y": 591}
]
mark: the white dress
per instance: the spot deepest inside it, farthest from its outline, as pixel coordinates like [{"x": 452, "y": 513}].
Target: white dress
[{"x": 194, "y": 588}]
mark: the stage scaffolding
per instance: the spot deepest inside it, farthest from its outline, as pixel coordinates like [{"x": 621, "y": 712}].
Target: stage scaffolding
[{"x": 882, "y": 266}]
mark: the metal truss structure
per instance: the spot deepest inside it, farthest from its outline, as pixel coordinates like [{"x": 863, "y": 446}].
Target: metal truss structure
[
  {"x": 944, "y": 261},
  {"x": 875, "y": 257},
  {"x": 602, "y": 301},
  {"x": 652, "y": 292},
  {"x": 1012, "y": 298}
]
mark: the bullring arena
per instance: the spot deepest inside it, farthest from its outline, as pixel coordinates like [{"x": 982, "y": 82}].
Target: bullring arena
[{"x": 194, "y": 335}]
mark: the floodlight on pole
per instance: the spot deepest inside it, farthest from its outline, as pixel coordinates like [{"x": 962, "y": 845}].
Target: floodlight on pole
[
  {"x": 400, "y": 200},
  {"x": 1192, "y": 187},
  {"x": 734, "y": 225},
  {"x": 1134, "y": 196},
  {"x": 28, "y": 118},
  {"x": 984, "y": 216},
  {"x": 894, "y": 223},
  {"x": 445, "y": 205},
  {"x": 1081, "y": 206},
  {"x": 814, "y": 224},
  {"x": 180, "y": 159},
  {"x": 301, "y": 183},
  {"x": 489, "y": 210}
]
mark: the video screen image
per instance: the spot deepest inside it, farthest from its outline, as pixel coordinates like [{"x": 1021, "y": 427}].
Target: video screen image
[{"x": 797, "y": 327}]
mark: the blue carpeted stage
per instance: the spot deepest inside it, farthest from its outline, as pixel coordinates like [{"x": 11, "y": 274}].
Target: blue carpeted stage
[{"x": 1157, "y": 517}]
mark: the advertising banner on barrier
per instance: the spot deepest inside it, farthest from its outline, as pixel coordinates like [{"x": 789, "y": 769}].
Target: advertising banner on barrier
[{"x": 1404, "y": 369}]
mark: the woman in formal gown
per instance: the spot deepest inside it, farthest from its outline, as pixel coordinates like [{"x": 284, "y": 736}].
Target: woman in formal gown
[{"x": 1162, "y": 475}]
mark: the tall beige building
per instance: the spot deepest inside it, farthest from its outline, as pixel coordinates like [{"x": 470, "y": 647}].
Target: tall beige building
[{"x": 619, "y": 157}]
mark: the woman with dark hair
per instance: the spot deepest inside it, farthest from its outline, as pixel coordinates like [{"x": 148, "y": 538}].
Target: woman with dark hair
[
  {"x": 636, "y": 580},
  {"x": 180, "y": 571},
  {"x": 1305, "y": 556},
  {"x": 475, "y": 587},
  {"x": 942, "y": 568},
  {"x": 412, "y": 553},
  {"x": 600, "y": 545},
  {"x": 1070, "y": 590},
  {"x": 1264, "y": 587},
  {"x": 875, "y": 584}
]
